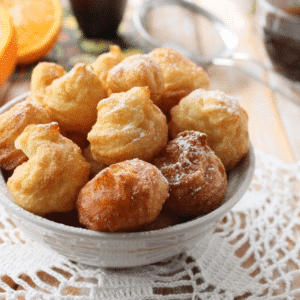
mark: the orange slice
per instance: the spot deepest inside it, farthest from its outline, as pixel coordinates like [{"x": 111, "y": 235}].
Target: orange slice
[
  {"x": 37, "y": 25},
  {"x": 8, "y": 46}
]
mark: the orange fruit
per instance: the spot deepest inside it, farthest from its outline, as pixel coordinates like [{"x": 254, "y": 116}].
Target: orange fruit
[
  {"x": 37, "y": 25},
  {"x": 8, "y": 46}
]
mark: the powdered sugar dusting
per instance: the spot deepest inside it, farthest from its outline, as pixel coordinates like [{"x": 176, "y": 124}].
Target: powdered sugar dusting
[
  {"x": 214, "y": 99},
  {"x": 141, "y": 135},
  {"x": 138, "y": 163},
  {"x": 134, "y": 63},
  {"x": 125, "y": 105},
  {"x": 229, "y": 102},
  {"x": 49, "y": 125},
  {"x": 119, "y": 105},
  {"x": 183, "y": 155}
]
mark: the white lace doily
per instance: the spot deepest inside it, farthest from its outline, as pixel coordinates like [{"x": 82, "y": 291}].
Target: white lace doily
[{"x": 254, "y": 254}]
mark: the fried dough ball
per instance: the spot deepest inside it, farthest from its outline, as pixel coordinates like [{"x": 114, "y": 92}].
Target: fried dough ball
[
  {"x": 219, "y": 116},
  {"x": 107, "y": 61},
  {"x": 129, "y": 125},
  {"x": 55, "y": 172},
  {"x": 197, "y": 177},
  {"x": 136, "y": 70},
  {"x": 122, "y": 197},
  {"x": 12, "y": 124},
  {"x": 181, "y": 76},
  {"x": 72, "y": 99},
  {"x": 42, "y": 76}
]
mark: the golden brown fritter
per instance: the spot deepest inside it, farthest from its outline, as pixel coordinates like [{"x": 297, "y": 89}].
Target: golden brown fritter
[
  {"x": 219, "y": 116},
  {"x": 55, "y": 172},
  {"x": 122, "y": 197},
  {"x": 129, "y": 125},
  {"x": 181, "y": 76},
  {"x": 12, "y": 124},
  {"x": 197, "y": 177},
  {"x": 72, "y": 99},
  {"x": 137, "y": 70},
  {"x": 107, "y": 61},
  {"x": 42, "y": 76}
]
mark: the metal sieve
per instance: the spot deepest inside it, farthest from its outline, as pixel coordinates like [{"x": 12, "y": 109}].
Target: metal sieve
[{"x": 225, "y": 55}]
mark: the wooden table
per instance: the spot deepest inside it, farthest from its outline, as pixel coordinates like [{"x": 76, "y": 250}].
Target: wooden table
[{"x": 273, "y": 120}]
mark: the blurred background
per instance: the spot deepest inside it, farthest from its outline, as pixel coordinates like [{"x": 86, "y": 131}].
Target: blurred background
[{"x": 272, "y": 116}]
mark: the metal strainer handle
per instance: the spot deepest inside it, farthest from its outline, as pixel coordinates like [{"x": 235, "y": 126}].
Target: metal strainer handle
[
  {"x": 230, "y": 40},
  {"x": 227, "y": 55},
  {"x": 253, "y": 68}
]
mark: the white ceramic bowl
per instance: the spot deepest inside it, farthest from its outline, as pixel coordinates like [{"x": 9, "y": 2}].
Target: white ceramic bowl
[{"x": 126, "y": 249}]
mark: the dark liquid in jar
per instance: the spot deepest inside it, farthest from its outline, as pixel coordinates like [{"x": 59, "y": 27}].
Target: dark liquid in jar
[
  {"x": 100, "y": 18},
  {"x": 284, "y": 51}
]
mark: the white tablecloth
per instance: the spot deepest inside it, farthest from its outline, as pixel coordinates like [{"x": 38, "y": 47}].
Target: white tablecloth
[{"x": 254, "y": 254}]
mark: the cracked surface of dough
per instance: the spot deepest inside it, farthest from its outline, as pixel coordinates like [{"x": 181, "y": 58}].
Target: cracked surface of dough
[
  {"x": 72, "y": 99},
  {"x": 42, "y": 76},
  {"x": 55, "y": 172},
  {"x": 107, "y": 61},
  {"x": 129, "y": 125},
  {"x": 136, "y": 70},
  {"x": 122, "y": 197},
  {"x": 197, "y": 177},
  {"x": 181, "y": 76},
  {"x": 219, "y": 116},
  {"x": 12, "y": 124}
]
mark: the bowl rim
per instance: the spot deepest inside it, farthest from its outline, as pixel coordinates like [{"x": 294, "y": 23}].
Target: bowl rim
[{"x": 84, "y": 232}]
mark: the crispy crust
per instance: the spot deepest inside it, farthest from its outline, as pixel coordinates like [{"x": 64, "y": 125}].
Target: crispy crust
[
  {"x": 42, "y": 76},
  {"x": 136, "y": 70},
  {"x": 107, "y": 61},
  {"x": 72, "y": 99},
  {"x": 197, "y": 177},
  {"x": 52, "y": 177},
  {"x": 181, "y": 76},
  {"x": 219, "y": 116},
  {"x": 129, "y": 126},
  {"x": 122, "y": 197},
  {"x": 12, "y": 124}
]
